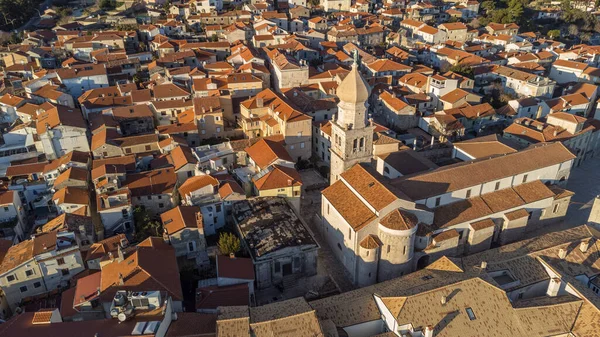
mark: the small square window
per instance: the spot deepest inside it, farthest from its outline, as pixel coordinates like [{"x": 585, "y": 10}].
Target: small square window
[
  {"x": 23, "y": 289},
  {"x": 11, "y": 278},
  {"x": 60, "y": 261},
  {"x": 37, "y": 285},
  {"x": 64, "y": 272},
  {"x": 29, "y": 272}
]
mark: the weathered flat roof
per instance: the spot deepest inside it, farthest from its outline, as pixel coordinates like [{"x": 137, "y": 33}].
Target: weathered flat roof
[{"x": 269, "y": 224}]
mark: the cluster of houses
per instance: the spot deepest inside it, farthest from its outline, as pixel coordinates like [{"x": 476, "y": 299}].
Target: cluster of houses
[{"x": 440, "y": 140}]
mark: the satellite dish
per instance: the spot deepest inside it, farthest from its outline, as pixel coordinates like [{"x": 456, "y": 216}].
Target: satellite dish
[{"x": 122, "y": 317}]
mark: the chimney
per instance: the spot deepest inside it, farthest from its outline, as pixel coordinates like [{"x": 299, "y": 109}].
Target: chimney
[
  {"x": 444, "y": 300},
  {"x": 259, "y": 102},
  {"x": 483, "y": 265},
  {"x": 232, "y": 255},
  {"x": 594, "y": 218},
  {"x": 553, "y": 287},
  {"x": 121, "y": 281},
  {"x": 123, "y": 243},
  {"x": 428, "y": 331},
  {"x": 584, "y": 245},
  {"x": 120, "y": 252},
  {"x": 562, "y": 253}
]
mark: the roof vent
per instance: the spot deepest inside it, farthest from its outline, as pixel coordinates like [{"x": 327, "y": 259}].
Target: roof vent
[
  {"x": 562, "y": 253},
  {"x": 584, "y": 245}
]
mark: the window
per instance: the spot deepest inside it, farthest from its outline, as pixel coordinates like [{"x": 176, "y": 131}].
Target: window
[
  {"x": 6, "y": 209},
  {"x": 524, "y": 179},
  {"x": 327, "y": 208},
  {"x": 404, "y": 251},
  {"x": 191, "y": 246},
  {"x": 349, "y": 234},
  {"x": 37, "y": 285},
  {"x": 438, "y": 200},
  {"x": 300, "y": 134},
  {"x": 161, "y": 205},
  {"x": 60, "y": 261},
  {"x": 128, "y": 150},
  {"x": 556, "y": 208},
  {"x": 277, "y": 267},
  {"x": 497, "y": 186},
  {"x": 302, "y": 145},
  {"x": 218, "y": 130},
  {"x": 149, "y": 197},
  {"x": 148, "y": 148},
  {"x": 471, "y": 314},
  {"x": 23, "y": 289},
  {"x": 64, "y": 272},
  {"x": 355, "y": 144},
  {"x": 218, "y": 207},
  {"x": 11, "y": 278},
  {"x": 362, "y": 142},
  {"x": 389, "y": 248},
  {"x": 29, "y": 272},
  {"x": 468, "y": 194}
]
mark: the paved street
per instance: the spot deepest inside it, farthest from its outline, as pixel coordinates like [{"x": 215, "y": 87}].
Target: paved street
[
  {"x": 327, "y": 263},
  {"x": 585, "y": 182}
]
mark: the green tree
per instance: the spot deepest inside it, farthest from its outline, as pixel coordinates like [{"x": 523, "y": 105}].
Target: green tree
[
  {"x": 554, "y": 33},
  {"x": 228, "y": 243},
  {"x": 107, "y": 5},
  {"x": 145, "y": 225},
  {"x": 488, "y": 5},
  {"x": 214, "y": 38},
  {"x": 463, "y": 70}
]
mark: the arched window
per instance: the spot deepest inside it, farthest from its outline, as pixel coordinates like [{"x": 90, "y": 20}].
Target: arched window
[
  {"x": 362, "y": 142},
  {"x": 355, "y": 143}
]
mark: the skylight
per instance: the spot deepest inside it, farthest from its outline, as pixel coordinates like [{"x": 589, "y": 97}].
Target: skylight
[{"x": 471, "y": 314}]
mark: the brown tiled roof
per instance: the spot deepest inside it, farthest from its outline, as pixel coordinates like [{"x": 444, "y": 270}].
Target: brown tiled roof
[
  {"x": 407, "y": 161},
  {"x": 102, "y": 248},
  {"x": 161, "y": 181},
  {"x": 211, "y": 298},
  {"x": 25, "y": 169},
  {"x": 482, "y": 147},
  {"x": 481, "y": 224},
  {"x": 278, "y": 177},
  {"x": 371, "y": 242},
  {"x": 265, "y": 152},
  {"x": 371, "y": 187},
  {"x": 72, "y": 173},
  {"x": 17, "y": 255},
  {"x": 350, "y": 207},
  {"x": 72, "y": 195},
  {"x": 60, "y": 116},
  {"x": 181, "y": 217},
  {"x": 197, "y": 182},
  {"x": 237, "y": 267},
  {"x": 192, "y": 324},
  {"x": 87, "y": 289},
  {"x": 169, "y": 90},
  {"x": 490, "y": 203},
  {"x": 463, "y": 175},
  {"x": 147, "y": 268},
  {"x": 399, "y": 219}
]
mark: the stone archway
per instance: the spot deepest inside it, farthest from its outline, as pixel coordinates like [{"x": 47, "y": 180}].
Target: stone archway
[{"x": 423, "y": 262}]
